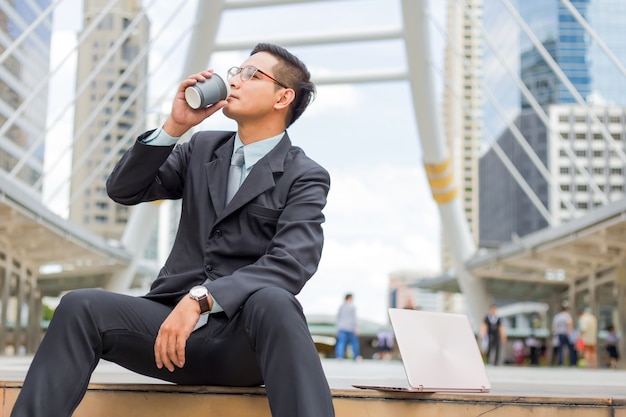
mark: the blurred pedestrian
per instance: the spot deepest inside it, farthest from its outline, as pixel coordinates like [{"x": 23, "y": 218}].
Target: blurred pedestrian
[
  {"x": 493, "y": 331},
  {"x": 519, "y": 352},
  {"x": 611, "y": 346},
  {"x": 347, "y": 329},
  {"x": 534, "y": 349},
  {"x": 562, "y": 326},
  {"x": 588, "y": 326},
  {"x": 384, "y": 344}
]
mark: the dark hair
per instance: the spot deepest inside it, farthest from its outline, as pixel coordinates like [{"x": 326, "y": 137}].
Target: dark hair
[{"x": 294, "y": 74}]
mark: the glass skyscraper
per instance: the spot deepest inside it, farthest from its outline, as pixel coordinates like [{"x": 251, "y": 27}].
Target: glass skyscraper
[
  {"x": 23, "y": 123},
  {"x": 566, "y": 128},
  {"x": 581, "y": 59}
]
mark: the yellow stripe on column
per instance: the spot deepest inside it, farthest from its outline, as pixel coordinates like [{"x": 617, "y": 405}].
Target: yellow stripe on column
[
  {"x": 441, "y": 180},
  {"x": 437, "y": 169},
  {"x": 443, "y": 198}
]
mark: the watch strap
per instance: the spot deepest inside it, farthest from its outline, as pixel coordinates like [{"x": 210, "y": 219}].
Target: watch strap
[{"x": 204, "y": 304}]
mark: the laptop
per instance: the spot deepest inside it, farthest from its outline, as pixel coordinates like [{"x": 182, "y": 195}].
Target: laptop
[{"x": 439, "y": 353}]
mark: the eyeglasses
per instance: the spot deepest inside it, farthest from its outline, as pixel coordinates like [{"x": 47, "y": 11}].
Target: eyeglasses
[{"x": 248, "y": 72}]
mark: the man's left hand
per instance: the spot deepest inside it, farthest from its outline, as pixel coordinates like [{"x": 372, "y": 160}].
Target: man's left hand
[{"x": 169, "y": 347}]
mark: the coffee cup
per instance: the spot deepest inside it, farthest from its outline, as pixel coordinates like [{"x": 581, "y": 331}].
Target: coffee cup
[{"x": 207, "y": 93}]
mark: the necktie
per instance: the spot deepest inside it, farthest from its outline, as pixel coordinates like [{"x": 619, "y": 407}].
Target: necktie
[{"x": 234, "y": 174}]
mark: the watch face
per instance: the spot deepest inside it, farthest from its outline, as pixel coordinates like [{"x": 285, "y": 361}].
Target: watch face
[{"x": 198, "y": 291}]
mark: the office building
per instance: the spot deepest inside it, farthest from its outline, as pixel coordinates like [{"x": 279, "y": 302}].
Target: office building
[
  {"x": 110, "y": 109},
  {"x": 462, "y": 111}
]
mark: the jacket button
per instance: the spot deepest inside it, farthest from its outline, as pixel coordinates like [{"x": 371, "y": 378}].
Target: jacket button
[
  {"x": 217, "y": 234},
  {"x": 208, "y": 268}
]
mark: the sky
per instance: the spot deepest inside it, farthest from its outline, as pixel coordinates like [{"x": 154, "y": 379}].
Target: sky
[{"x": 380, "y": 216}]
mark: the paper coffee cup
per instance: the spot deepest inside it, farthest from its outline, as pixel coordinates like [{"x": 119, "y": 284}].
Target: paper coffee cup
[{"x": 207, "y": 93}]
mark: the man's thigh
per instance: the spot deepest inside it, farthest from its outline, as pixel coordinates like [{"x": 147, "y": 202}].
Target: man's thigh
[
  {"x": 220, "y": 353},
  {"x": 217, "y": 354},
  {"x": 127, "y": 326}
]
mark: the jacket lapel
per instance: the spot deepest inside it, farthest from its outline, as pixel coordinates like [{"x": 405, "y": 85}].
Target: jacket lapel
[
  {"x": 217, "y": 175},
  {"x": 260, "y": 179}
]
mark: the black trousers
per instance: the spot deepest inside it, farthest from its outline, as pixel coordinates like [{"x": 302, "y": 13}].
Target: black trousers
[
  {"x": 267, "y": 342},
  {"x": 493, "y": 350}
]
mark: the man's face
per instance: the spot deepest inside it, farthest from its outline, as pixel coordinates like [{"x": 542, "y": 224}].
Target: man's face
[{"x": 253, "y": 99}]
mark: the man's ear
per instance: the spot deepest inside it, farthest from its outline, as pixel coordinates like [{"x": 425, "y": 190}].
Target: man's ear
[{"x": 286, "y": 97}]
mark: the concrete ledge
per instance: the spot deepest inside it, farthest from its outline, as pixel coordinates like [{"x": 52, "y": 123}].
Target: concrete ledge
[{"x": 156, "y": 400}]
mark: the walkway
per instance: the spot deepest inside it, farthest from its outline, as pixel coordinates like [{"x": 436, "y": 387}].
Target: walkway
[{"x": 506, "y": 380}]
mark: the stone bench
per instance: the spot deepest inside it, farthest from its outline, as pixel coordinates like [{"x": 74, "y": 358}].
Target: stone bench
[{"x": 156, "y": 400}]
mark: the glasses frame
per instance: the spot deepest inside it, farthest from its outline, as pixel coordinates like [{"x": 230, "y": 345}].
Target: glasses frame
[{"x": 234, "y": 71}]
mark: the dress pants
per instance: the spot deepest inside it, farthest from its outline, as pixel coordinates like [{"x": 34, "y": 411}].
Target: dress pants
[
  {"x": 493, "y": 350},
  {"x": 266, "y": 342}
]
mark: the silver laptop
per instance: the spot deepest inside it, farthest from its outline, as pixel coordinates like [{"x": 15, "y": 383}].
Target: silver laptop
[{"x": 439, "y": 353}]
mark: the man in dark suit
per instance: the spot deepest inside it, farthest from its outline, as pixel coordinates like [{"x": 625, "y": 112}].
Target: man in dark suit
[
  {"x": 492, "y": 329},
  {"x": 237, "y": 263}
]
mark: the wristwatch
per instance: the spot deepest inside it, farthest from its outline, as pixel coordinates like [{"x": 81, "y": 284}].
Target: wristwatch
[{"x": 201, "y": 295}]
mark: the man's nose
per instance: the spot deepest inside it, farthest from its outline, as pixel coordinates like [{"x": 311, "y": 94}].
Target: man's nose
[{"x": 235, "y": 81}]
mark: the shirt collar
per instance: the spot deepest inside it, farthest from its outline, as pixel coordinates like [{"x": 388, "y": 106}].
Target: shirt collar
[{"x": 253, "y": 152}]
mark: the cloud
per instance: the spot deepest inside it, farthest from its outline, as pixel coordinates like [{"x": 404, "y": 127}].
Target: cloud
[
  {"x": 57, "y": 158},
  {"x": 333, "y": 99}
]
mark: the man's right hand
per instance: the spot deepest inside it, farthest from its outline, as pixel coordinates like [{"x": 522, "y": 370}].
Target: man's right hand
[{"x": 182, "y": 118}]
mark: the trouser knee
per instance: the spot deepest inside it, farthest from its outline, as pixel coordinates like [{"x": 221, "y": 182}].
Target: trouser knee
[
  {"x": 273, "y": 310},
  {"x": 77, "y": 302}
]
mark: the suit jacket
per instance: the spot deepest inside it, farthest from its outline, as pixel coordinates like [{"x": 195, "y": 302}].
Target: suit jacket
[{"x": 269, "y": 235}]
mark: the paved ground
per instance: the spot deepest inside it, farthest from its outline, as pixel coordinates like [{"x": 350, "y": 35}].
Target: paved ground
[{"x": 506, "y": 380}]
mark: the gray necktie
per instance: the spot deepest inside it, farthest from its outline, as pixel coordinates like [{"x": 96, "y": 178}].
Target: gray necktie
[{"x": 234, "y": 174}]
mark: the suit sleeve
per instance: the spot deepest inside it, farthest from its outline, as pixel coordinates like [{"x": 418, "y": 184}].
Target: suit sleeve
[
  {"x": 148, "y": 173},
  {"x": 293, "y": 254}
]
